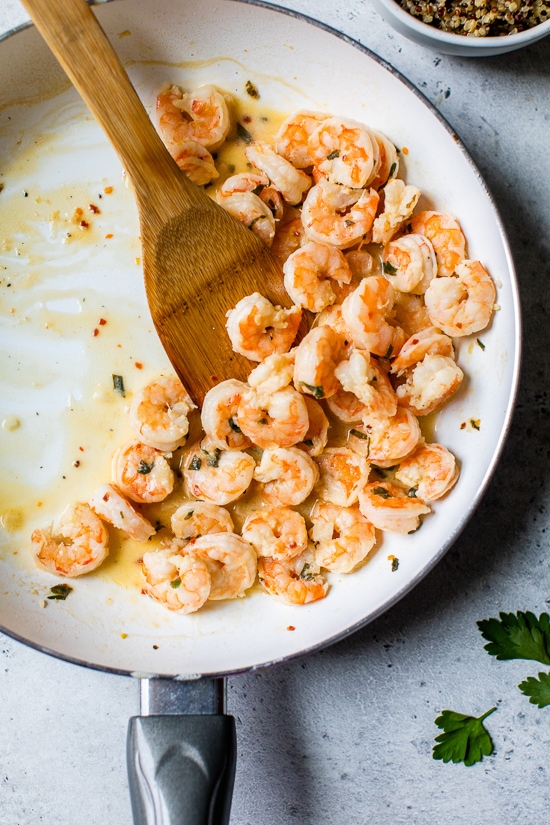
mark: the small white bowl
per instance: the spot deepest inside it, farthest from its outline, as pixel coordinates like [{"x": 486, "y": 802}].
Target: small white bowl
[{"x": 458, "y": 44}]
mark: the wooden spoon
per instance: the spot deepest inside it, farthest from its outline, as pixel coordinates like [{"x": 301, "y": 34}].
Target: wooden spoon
[{"x": 198, "y": 260}]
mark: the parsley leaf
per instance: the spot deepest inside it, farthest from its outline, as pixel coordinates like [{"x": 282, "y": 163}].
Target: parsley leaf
[
  {"x": 519, "y": 636},
  {"x": 537, "y": 689},
  {"x": 465, "y": 738}
]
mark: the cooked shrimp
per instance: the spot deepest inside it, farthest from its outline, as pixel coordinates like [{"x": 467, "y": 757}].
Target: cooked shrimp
[
  {"x": 360, "y": 262},
  {"x": 430, "y": 384},
  {"x": 345, "y": 151},
  {"x": 142, "y": 473},
  {"x": 343, "y": 537},
  {"x": 446, "y": 237},
  {"x": 365, "y": 312},
  {"x": 410, "y": 313},
  {"x": 343, "y": 474},
  {"x": 109, "y": 503},
  {"x": 386, "y": 441},
  {"x": 314, "y": 275},
  {"x": 316, "y": 438},
  {"x": 218, "y": 476},
  {"x": 278, "y": 532},
  {"x": 332, "y": 317},
  {"x": 291, "y": 141},
  {"x": 201, "y": 115},
  {"x": 219, "y": 416},
  {"x": 273, "y": 373},
  {"x": 409, "y": 263},
  {"x": 430, "y": 472},
  {"x": 195, "y": 161},
  {"x": 179, "y": 581},
  {"x": 389, "y": 161},
  {"x": 389, "y": 507},
  {"x": 250, "y": 210},
  {"x": 317, "y": 356},
  {"x": 427, "y": 341},
  {"x": 290, "y": 182},
  {"x": 338, "y": 215},
  {"x": 288, "y": 475},
  {"x": 79, "y": 544},
  {"x": 159, "y": 414},
  {"x": 258, "y": 184},
  {"x": 361, "y": 375},
  {"x": 293, "y": 581},
  {"x": 231, "y": 562},
  {"x": 198, "y": 518},
  {"x": 257, "y": 328},
  {"x": 399, "y": 202},
  {"x": 288, "y": 238},
  {"x": 277, "y": 419},
  {"x": 347, "y": 407},
  {"x": 464, "y": 303}
]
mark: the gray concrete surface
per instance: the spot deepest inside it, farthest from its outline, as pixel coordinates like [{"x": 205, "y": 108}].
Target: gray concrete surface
[{"x": 345, "y": 735}]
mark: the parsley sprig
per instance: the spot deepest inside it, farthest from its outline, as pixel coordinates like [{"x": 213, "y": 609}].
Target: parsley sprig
[
  {"x": 465, "y": 738},
  {"x": 519, "y": 636}
]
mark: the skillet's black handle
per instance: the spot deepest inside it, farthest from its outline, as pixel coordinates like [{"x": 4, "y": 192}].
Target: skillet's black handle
[{"x": 181, "y": 769}]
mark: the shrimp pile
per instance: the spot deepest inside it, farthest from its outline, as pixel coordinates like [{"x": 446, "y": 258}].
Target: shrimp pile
[{"x": 293, "y": 475}]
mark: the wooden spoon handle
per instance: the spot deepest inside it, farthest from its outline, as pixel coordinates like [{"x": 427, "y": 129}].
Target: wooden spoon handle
[{"x": 74, "y": 35}]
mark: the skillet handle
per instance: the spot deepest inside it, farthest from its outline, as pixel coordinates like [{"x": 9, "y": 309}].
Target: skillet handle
[{"x": 181, "y": 769}]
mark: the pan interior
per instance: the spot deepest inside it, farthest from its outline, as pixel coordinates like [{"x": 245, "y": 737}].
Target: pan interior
[{"x": 57, "y": 370}]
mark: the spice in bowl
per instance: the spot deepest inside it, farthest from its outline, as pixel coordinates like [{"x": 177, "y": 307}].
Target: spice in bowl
[{"x": 479, "y": 18}]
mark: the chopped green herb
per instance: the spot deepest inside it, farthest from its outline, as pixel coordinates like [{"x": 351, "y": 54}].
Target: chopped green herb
[
  {"x": 251, "y": 89},
  {"x": 262, "y": 420},
  {"x": 118, "y": 384},
  {"x": 359, "y": 434},
  {"x": 333, "y": 155},
  {"x": 475, "y": 423},
  {"x": 59, "y": 592},
  {"x": 188, "y": 515},
  {"x": 389, "y": 351},
  {"x": 388, "y": 268},
  {"x": 392, "y": 170},
  {"x": 519, "y": 636},
  {"x": 480, "y": 343},
  {"x": 196, "y": 463},
  {"x": 144, "y": 468},
  {"x": 231, "y": 168},
  {"x": 381, "y": 491},
  {"x": 306, "y": 573},
  {"x": 214, "y": 459},
  {"x": 258, "y": 189},
  {"x": 317, "y": 392},
  {"x": 175, "y": 583},
  {"x": 244, "y": 134},
  {"x": 349, "y": 222},
  {"x": 412, "y": 491},
  {"x": 537, "y": 689},
  {"x": 308, "y": 442},
  {"x": 394, "y": 564},
  {"x": 465, "y": 738},
  {"x": 234, "y": 426}
]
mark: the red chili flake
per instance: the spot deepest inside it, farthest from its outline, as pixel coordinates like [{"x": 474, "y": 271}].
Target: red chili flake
[
  {"x": 109, "y": 235},
  {"x": 108, "y": 190},
  {"x": 76, "y": 463},
  {"x": 139, "y": 365},
  {"x": 81, "y": 449},
  {"x": 214, "y": 378},
  {"x": 291, "y": 627},
  {"x": 95, "y": 333},
  {"x": 93, "y": 208},
  {"x": 84, "y": 224},
  {"x": 102, "y": 322},
  {"x": 463, "y": 425},
  {"x": 247, "y": 119}
]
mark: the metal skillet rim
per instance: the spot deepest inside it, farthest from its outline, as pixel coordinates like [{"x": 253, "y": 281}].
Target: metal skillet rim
[{"x": 496, "y": 455}]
